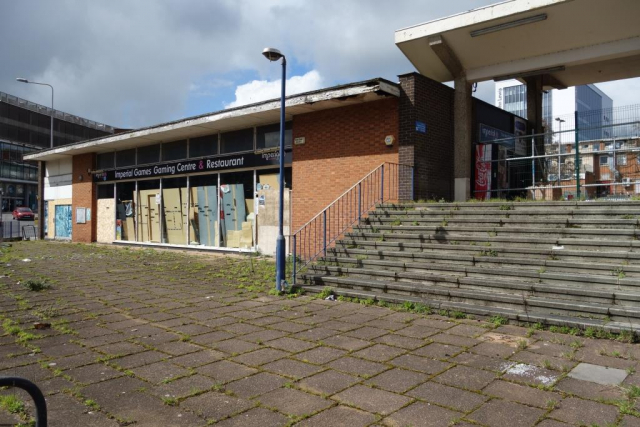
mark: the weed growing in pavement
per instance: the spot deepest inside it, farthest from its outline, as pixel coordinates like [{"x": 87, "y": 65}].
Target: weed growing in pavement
[
  {"x": 498, "y": 320},
  {"x": 36, "y": 285}
]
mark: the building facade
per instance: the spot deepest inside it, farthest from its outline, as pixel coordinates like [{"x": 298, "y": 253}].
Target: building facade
[
  {"x": 25, "y": 129},
  {"x": 211, "y": 181}
]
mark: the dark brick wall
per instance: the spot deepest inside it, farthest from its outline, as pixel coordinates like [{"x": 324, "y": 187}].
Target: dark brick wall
[{"x": 431, "y": 154}]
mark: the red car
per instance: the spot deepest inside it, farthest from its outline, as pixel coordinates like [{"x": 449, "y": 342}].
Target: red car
[{"x": 23, "y": 213}]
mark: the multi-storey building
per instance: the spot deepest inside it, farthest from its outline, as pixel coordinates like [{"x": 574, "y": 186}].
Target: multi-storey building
[
  {"x": 592, "y": 104},
  {"x": 24, "y": 129}
]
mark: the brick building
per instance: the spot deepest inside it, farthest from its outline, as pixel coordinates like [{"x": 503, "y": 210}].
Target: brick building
[{"x": 211, "y": 181}]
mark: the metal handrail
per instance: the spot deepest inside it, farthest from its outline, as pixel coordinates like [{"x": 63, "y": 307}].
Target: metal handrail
[
  {"x": 346, "y": 210},
  {"x": 340, "y": 196}
]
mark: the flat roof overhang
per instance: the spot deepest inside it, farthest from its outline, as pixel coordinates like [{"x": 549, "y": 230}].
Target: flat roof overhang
[
  {"x": 572, "y": 42},
  {"x": 258, "y": 114}
]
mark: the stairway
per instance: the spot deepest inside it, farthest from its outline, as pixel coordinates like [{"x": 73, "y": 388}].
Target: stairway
[{"x": 559, "y": 263}]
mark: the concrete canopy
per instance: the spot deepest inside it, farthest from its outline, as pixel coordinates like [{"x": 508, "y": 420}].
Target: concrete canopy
[{"x": 570, "y": 42}]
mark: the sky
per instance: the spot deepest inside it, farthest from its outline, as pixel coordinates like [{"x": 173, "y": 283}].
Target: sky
[{"x": 138, "y": 63}]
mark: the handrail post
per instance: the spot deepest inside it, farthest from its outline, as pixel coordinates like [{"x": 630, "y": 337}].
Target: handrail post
[
  {"x": 293, "y": 281},
  {"x": 359, "y": 201},
  {"x": 324, "y": 233},
  {"x": 382, "y": 183}
]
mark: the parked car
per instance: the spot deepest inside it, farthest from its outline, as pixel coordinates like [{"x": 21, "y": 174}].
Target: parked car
[{"x": 23, "y": 213}]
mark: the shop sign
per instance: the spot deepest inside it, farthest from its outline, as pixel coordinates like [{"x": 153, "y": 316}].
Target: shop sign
[
  {"x": 491, "y": 134},
  {"x": 185, "y": 167},
  {"x": 421, "y": 127}
]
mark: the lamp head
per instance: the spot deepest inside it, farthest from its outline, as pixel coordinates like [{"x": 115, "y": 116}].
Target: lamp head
[
  {"x": 272, "y": 54},
  {"x": 22, "y": 80}
]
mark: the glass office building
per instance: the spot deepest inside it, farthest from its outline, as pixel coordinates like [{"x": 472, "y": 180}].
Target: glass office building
[{"x": 25, "y": 128}]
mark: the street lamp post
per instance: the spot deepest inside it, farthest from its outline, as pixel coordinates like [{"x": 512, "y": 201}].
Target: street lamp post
[
  {"x": 273, "y": 55},
  {"x": 560, "y": 122},
  {"x": 43, "y": 84}
]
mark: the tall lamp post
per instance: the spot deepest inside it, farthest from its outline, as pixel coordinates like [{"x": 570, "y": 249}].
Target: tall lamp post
[
  {"x": 273, "y": 55},
  {"x": 560, "y": 122},
  {"x": 43, "y": 84}
]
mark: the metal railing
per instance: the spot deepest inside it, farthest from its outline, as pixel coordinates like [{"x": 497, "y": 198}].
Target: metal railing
[
  {"x": 14, "y": 230},
  {"x": 387, "y": 182},
  {"x": 576, "y": 162}
]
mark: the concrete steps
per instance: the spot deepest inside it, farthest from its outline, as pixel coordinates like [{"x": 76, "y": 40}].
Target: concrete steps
[{"x": 572, "y": 263}]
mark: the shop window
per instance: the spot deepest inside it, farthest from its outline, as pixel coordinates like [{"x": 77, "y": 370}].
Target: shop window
[
  {"x": 203, "y": 146},
  {"x": 105, "y": 160},
  {"x": 175, "y": 206},
  {"x": 176, "y": 150},
  {"x": 269, "y": 136},
  {"x": 147, "y": 211},
  {"x": 236, "y": 141},
  {"x": 125, "y": 211},
  {"x": 237, "y": 210},
  {"x": 126, "y": 158},
  {"x": 148, "y": 154},
  {"x": 204, "y": 210},
  {"x": 106, "y": 191}
]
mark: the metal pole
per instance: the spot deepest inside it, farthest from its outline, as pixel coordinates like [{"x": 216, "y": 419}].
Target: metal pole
[
  {"x": 324, "y": 233},
  {"x": 559, "y": 150},
  {"x": 359, "y": 202},
  {"x": 293, "y": 282},
  {"x": 577, "y": 161},
  {"x": 280, "y": 243},
  {"x": 533, "y": 162},
  {"x": 51, "y": 135},
  {"x": 382, "y": 183}
]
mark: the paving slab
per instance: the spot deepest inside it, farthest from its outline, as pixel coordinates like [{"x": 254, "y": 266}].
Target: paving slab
[
  {"x": 294, "y": 402},
  {"x": 451, "y": 397},
  {"x": 598, "y": 374},
  {"x": 578, "y": 411},
  {"x": 371, "y": 399},
  {"x": 499, "y": 413},
  {"x": 339, "y": 415},
  {"x": 421, "y": 414}
]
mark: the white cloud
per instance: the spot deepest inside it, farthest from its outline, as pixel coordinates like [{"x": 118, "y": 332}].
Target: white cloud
[{"x": 261, "y": 90}]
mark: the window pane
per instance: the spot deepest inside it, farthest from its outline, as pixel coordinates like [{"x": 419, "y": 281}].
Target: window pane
[
  {"x": 204, "y": 210},
  {"x": 149, "y": 154},
  {"x": 105, "y": 191},
  {"x": 125, "y": 211},
  {"x": 126, "y": 158},
  {"x": 105, "y": 160},
  {"x": 236, "y": 200},
  {"x": 147, "y": 211},
  {"x": 234, "y": 142},
  {"x": 176, "y": 150},
  {"x": 269, "y": 136},
  {"x": 203, "y": 146}
]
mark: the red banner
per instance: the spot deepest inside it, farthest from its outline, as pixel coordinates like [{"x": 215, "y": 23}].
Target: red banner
[{"x": 483, "y": 172}]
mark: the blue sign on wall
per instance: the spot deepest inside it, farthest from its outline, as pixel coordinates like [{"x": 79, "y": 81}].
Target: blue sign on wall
[{"x": 421, "y": 127}]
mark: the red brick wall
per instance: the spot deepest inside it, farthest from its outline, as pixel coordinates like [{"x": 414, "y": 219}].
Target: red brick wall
[
  {"x": 84, "y": 196},
  {"x": 342, "y": 145}
]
